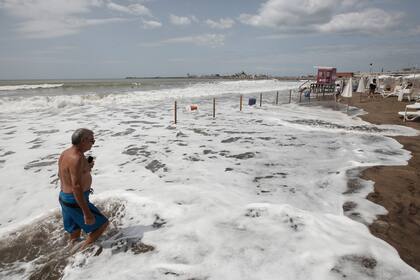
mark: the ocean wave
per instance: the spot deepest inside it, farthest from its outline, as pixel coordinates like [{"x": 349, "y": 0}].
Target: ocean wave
[
  {"x": 199, "y": 90},
  {"x": 23, "y": 87}
]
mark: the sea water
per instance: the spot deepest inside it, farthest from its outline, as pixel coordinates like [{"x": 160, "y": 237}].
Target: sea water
[{"x": 251, "y": 194}]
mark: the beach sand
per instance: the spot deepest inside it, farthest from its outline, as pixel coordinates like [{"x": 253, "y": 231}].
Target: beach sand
[{"x": 397, "y": 188}]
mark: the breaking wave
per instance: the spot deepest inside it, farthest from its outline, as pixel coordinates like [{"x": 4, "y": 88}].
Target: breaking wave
[
  {"x": 23, "y": 87},
  {"x": 38, "y": 102}
]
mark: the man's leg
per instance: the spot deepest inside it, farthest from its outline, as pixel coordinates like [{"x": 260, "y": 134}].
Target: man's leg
[
  {"x": 75, "y": 235},
  {"x": 70, "y": 225},
  {"x": 93, "y": 236}
]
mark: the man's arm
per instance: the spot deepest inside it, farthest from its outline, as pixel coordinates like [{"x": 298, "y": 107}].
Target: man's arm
[{"x": 76, "y": 174}]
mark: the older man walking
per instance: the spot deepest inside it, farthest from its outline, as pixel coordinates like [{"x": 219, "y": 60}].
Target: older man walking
[{"x": 74, "y": 172}]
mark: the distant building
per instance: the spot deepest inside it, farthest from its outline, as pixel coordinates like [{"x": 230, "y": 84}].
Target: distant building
[{"x": 345, "y": 75}]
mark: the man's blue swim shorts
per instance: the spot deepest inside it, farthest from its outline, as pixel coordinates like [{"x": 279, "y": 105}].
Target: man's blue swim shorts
[{"x": 73, "y": 218}]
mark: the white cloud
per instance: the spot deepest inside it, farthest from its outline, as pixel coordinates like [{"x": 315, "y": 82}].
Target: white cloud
[
  {"x": 48, "y": 8},
  {"x": 117, "y": 7},
  {"x": 46, "y": 28},
  {"x": 327, "y": 16},
  {"x": 210, "y": 40},
  {"x": 134, "y": 9},
  {"x": 178, "y": 20},
  {"x": 53, "y": 18},
  {"x": 151, "y": 24},
  {"x": 223, "y": 23},
  {"x": 367, "y": 21},
  {"x": 415, "y": 30},
  {"x": 282, "y": 13}
]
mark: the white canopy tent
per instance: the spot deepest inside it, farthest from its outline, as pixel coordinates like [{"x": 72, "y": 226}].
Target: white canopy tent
[
  {"x": 361, "y": 86},
  {"x": 348, "y": 89}
]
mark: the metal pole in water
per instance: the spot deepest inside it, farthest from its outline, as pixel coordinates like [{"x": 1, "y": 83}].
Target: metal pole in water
[
  {"x": 277, "y": 98},
  {"x": 260, "y": 99},
  {"x": 240, "y": 103},
  {"x": 290, "y": 96},
  {"x": 348, "y": 103},
  {"x": 175, "y": 112},
  {"x": 214, "y": 108}
]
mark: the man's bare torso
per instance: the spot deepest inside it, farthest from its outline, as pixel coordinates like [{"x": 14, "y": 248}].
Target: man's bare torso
[{"x": 71, "y": 158}]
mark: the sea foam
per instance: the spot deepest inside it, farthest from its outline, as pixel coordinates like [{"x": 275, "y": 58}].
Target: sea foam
[{"x": 249, "y": 194}]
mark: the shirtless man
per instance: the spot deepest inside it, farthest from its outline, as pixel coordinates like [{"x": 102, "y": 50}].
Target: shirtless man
[{"x": 74, "y": 173}]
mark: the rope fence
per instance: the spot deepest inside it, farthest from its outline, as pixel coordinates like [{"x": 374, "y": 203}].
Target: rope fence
[{"x": 279, "y": 97}]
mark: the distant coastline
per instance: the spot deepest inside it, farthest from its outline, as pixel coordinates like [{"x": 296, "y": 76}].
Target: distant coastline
[{"x": 236, "y": 76}]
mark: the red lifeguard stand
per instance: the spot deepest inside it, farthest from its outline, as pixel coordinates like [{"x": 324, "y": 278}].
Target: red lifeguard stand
[
  {"x": 326, "y": 75},
  {"x": 325, "y": 81}
]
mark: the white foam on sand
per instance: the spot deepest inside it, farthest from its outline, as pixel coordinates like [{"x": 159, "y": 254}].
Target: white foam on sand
[{"x": 256, "y": 194}]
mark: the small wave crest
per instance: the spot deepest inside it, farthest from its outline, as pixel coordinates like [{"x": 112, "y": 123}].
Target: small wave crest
[{"x": 23, "y": 87}]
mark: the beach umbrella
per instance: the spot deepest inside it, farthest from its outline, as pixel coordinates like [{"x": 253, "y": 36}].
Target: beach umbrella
[
  {"x": 361, "y": 86},
  {"x": 348, "y": 89}
]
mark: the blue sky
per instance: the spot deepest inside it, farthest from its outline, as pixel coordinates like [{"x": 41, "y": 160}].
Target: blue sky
[{"x": 42, "y": 39}]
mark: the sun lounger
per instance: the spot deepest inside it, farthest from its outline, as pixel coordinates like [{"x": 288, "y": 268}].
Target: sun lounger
[
  {"x": 407, "y": 92},
  {"x": 411, "y": 115},
  {"x": 416, "y": 94},
  {"x": 414, "y": 106},
  {"x": 393, "y": 92}
]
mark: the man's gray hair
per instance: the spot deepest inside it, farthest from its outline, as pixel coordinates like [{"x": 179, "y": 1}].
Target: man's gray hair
[{"x": 79, "y": 134}]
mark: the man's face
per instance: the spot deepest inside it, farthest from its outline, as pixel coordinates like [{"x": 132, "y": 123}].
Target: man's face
[{"x": 89, "y": 141}]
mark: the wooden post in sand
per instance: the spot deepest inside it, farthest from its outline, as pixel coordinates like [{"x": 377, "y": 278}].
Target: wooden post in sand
[
  {"x": 260, "y": 99},
  {"x": 214, "y": 108},
  {"x": 240, "y": 103},
  {"x": 290, "y": 96},
  {"x": 348, "y": 104},
  {"x": 175, "y": 112},
  {"x": 277, "y": 98}
]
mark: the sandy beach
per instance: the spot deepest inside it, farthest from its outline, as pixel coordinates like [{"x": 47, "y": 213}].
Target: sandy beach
[{"x": 397, "y": 188}]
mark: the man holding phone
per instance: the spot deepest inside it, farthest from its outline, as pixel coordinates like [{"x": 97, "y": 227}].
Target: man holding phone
[{"x": 74, "y": 171}]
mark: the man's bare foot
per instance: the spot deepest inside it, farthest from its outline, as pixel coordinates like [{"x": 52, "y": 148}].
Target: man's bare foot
[
  {"x": 75, "y": 241},
  {"x": 76, "y": 246},
  {"x": 93, "y": 236}
]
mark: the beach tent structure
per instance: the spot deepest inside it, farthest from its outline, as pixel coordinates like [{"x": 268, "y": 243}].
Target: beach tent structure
[
  {"x": 386, "y": 79},
  {"x": 411, "y": 76},
  {"x": 348, "y": 89},
  {"x": 361, "y": 86}
]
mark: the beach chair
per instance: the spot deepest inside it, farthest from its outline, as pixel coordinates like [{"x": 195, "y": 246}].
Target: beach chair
[
  {"x": 405, "y": 92},
  {"x": 394, "y": 92},
  {"x": 411, "y": 115},
  {"x": 416, "y": 94}
]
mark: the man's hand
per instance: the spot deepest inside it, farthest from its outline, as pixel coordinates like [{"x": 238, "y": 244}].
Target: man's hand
[
  {"x": 89, "y": 218},
  {"x": 91, "y": 164}
]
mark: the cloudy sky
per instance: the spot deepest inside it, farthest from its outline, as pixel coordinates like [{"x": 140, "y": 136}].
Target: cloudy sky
[{"x": 118, "y": 38}]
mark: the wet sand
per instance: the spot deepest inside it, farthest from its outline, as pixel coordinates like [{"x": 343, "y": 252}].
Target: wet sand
[{"x": 397, "y": 188}]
